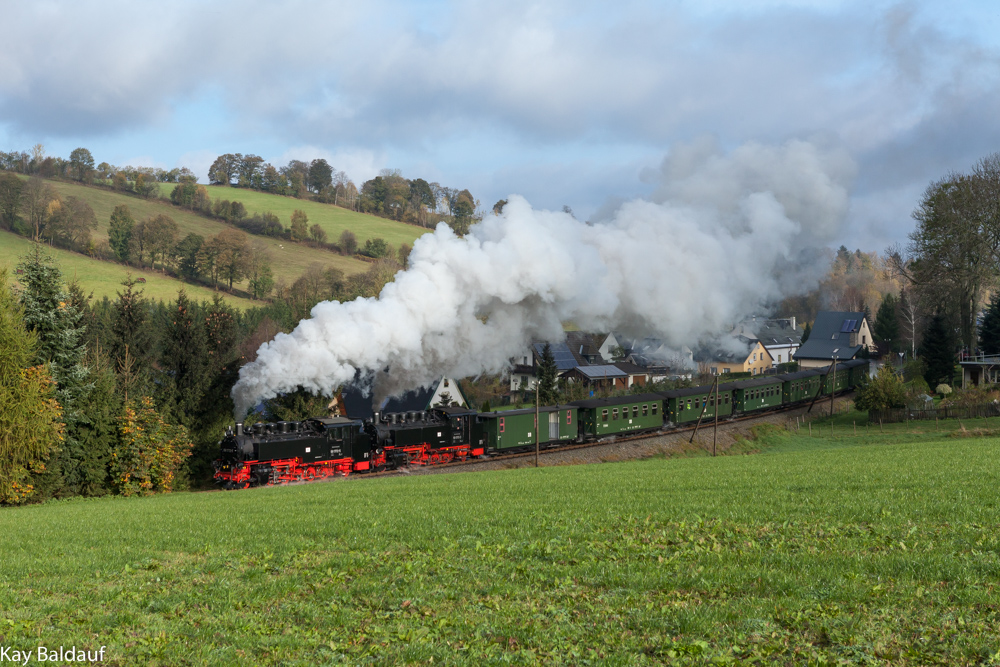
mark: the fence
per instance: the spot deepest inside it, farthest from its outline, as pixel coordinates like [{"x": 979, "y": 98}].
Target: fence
[{"x": 895, "y": 415}]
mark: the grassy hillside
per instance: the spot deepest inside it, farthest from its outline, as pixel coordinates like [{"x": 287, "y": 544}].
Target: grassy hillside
[
  {"x": 289, "y": 259},
  {"x": 104, "y": 278},
  {"x": 332, "y": 219},
  {"x": 866, "y": 549}
]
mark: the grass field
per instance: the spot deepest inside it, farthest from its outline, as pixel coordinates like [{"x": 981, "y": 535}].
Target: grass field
[
  {"x": 289, "y": 259},
  {"x": 104, "y": 278},
  {"x": 333, "y": 219},
  {"x": 843, "y": 549}
]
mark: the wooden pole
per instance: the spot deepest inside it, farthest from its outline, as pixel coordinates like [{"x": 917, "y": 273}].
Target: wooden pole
[
  {"x": 537, "y": 423},
  {"x": 833, "y": 387},
  {"x": 715, "y": 430},
  {"x": 704, "y": 406}
]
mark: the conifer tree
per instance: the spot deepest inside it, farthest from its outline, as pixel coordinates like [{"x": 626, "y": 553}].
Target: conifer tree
[
  {"x": 30, "y": 427},
  {"x": 805, "y": 332},
  {"x": 938, "y": 352},
  {"x": 51, "y": 314},
  {"x": 131, "y": 338},
  {"x": 185, "y": 353},
  {"x": 98, "y": 426},
  {"x": 989, "y": 332},
  {"x": 547, "y": 371},
  {"x": 886, "y": 325}
]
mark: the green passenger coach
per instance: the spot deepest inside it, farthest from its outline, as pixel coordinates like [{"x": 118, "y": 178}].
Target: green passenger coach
[
  {"x": 759, "y": 394},
  {"x": 510, "y": 429},
  {"x": 800, "y": 386},
  {"x": 601, "y": 417},
  {"x": 685, "y": 405}
]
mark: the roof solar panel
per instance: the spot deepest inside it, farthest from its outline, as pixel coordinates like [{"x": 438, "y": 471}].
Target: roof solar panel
[
  {"x": 848, "y": 326},
  {"x": 561, "y": 353}
]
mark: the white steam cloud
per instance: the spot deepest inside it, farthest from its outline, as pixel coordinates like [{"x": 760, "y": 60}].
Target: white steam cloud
[{"x": 721, "y": 235}]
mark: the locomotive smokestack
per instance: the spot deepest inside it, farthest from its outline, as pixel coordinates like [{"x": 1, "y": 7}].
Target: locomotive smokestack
[
  {"x": 239, "y": 428},
  {"x": 727, "y": 233}
]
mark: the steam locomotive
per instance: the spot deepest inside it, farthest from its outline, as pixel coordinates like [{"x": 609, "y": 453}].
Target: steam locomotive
[{"x": 281, "y": 452}]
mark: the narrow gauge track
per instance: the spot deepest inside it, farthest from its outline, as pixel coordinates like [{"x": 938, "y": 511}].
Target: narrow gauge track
[{"x": 645, "y": 435}]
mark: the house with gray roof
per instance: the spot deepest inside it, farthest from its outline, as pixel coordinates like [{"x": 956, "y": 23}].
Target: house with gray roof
[
  {"x": 839, "y": 335},
  {"x": 781, "y": 337}
]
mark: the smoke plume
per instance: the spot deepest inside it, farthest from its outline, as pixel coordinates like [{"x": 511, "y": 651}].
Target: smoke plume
[{"x": 721, "y": 235}]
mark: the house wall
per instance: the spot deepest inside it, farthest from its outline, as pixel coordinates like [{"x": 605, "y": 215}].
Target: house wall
[
  {"x": 756, "y": 363},
  {"x": 449, "y": 386}
]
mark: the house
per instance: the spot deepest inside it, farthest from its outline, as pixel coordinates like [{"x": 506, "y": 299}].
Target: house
[
  {"x": 358, "y": 405},
  {"x": 781, "y": 337},
  {"x": 637, "y": 375},
  {"x": 579, "y": 349},
  {"x": 740, "y": 355},
  {"x": 599, "y": 376},
  {"x": 839, "y": 335}
]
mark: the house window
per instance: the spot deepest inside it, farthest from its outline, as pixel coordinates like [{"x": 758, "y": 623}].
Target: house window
[
  {"x": 604, "y": 416},
  {"x": 446, "y": 382},
  {"x": 644, "y": 411},
  {"x": 779, "y": 358},
  {"x": 755, "y": 356},
  {"x": 614, "y": 414},
  {"x": 863, "y": 339},
  {"x": 715, "y": 370},
  {"x": 725, "y": 370}
]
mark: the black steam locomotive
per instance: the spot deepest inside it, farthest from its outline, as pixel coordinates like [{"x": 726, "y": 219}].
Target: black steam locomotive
[{"x": 282, "y": 452}]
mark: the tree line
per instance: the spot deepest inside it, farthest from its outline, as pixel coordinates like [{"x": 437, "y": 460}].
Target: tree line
[{"x": 129, "y": 395}]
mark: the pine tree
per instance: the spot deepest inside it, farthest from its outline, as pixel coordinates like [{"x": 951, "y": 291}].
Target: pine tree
[
  {"x": 98, "y": 426},
  {"x": 51, "y": 314},
  {"x": 547, "y": 371},
  {"x": 131, "y": 339},
  {"x": 805, "y": 332},
  {"x": 30, "y": 427},
  {"x": 989, "y": 332},
  {"x": 938, "y": 352},
  {"x": 886, "y": 325},
  {"x": 185, "y": 357},
  {"x": 296, "y": 406}
]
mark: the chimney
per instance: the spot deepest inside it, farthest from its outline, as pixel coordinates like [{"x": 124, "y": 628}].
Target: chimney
[{"x": 793, "y": 322}]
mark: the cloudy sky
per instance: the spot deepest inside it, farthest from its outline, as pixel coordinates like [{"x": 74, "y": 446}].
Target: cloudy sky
[{"x": 574, "y": 103}]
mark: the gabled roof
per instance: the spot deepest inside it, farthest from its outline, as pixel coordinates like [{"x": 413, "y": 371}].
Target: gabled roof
[
  {"x": 772, "y": 333},
  {"x": 412, "y": 401},
  {"x": 631, "y": 369},
  {"x": 726, "y": 355},
  {"x": 831, "y": 335}
]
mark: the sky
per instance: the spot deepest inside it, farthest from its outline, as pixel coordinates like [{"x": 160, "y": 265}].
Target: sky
[{"x": 570, "y": 103}]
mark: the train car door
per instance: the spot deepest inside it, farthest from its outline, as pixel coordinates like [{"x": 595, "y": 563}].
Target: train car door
[{"x": 554, "y": 425}]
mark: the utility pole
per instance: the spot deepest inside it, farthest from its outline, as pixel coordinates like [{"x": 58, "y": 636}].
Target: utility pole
[
  {"x": 715, "y": 429},
  {"x": 537, "y": 423},
  {"x": 704, "y": 406},
  {"x": 833, "y": 386}
]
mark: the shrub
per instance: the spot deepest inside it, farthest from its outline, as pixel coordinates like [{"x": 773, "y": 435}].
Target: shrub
[{"x": 884, "y": 391}]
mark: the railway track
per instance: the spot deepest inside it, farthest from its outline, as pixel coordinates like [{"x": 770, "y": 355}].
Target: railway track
[{"x": 645, "y": 435}]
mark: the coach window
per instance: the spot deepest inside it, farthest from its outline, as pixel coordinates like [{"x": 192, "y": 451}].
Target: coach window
[
  {"x": 654, "y": 408},
  {"x": 614, "y": 414},
  {"x": 604, "y": 416},
  {"x": 645, "y": 410},
  {"x": 635, "y": 411}
]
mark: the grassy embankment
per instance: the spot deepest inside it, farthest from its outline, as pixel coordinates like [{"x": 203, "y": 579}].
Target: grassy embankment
[
  {"x": 105, "y": 278},
  {"x": 880, "y": 548},
  {"x": 333, "y": 219}
]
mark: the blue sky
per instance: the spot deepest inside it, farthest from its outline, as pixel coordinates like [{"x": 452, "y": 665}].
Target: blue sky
[{"x": 562, "y": 102}]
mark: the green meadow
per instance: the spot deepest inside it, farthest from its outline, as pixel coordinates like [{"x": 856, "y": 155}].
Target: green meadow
[
  {"x": 105, "y": 278},
  {"x": 333, "y": 219},
  {"x": 880, "y": 548}
]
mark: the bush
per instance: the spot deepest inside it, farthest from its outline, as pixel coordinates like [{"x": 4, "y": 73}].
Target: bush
[
  {"x": 884, "y": 391},
  {"x": 942, "y": 389}
]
